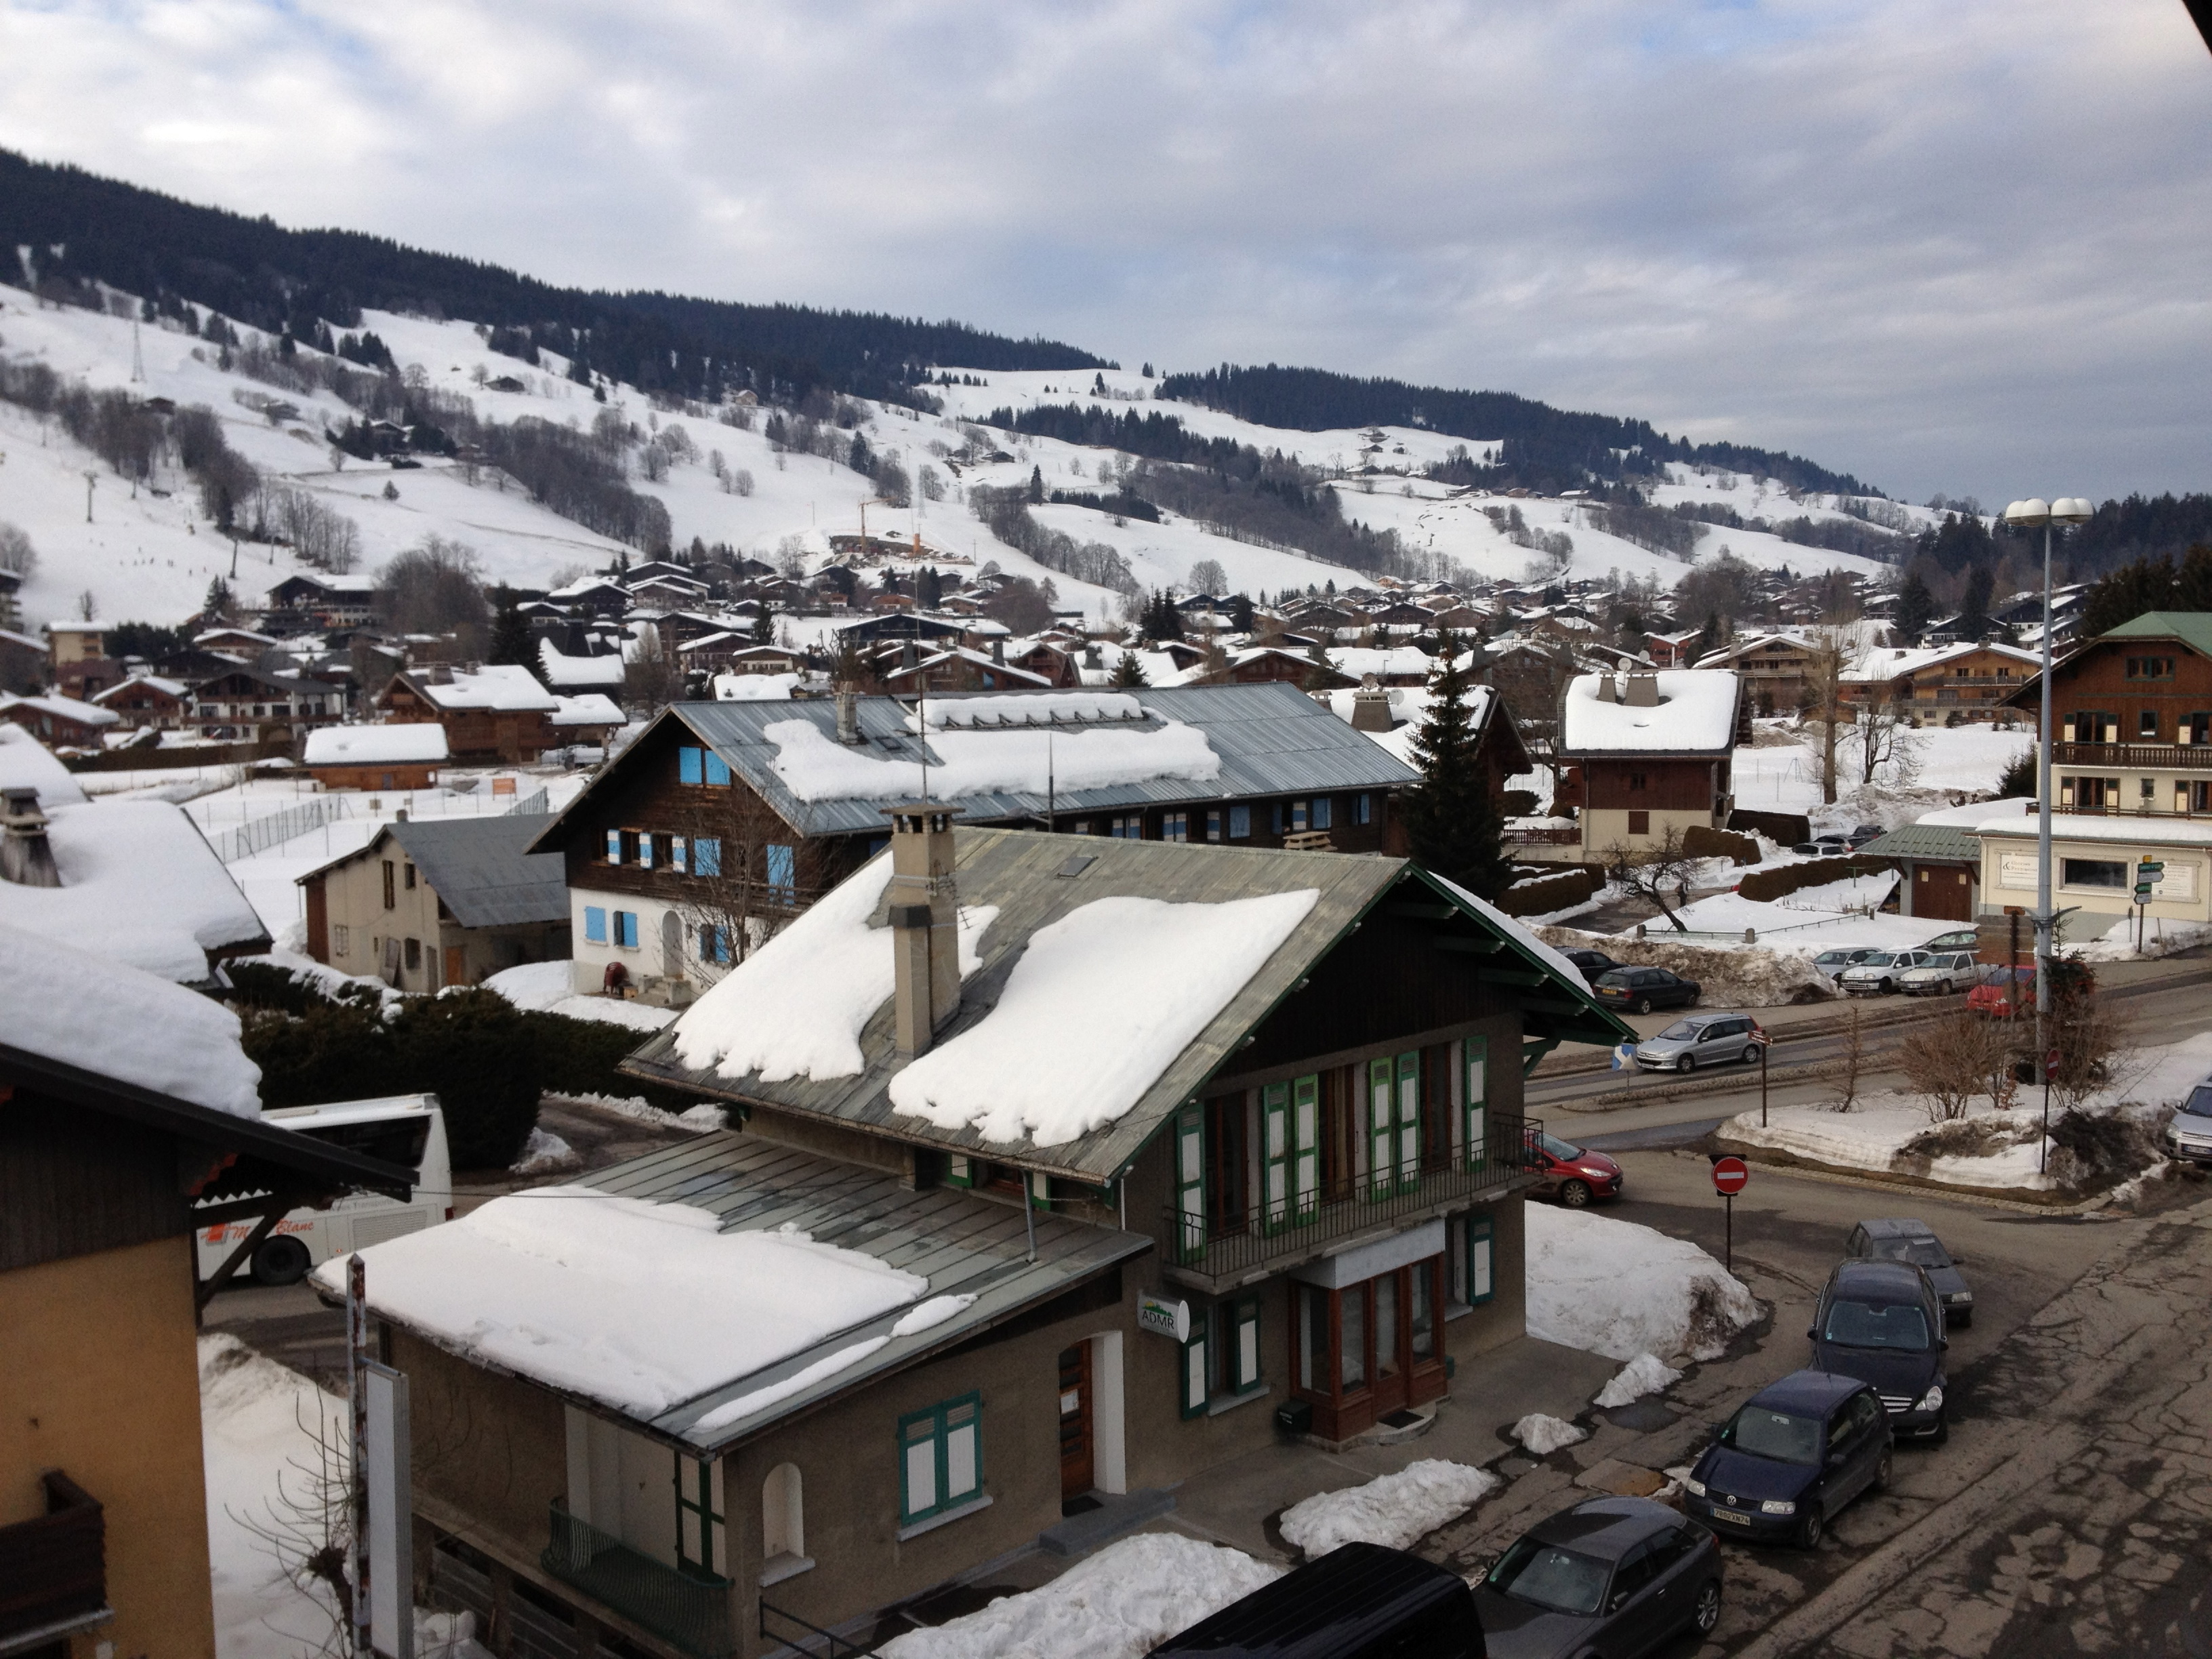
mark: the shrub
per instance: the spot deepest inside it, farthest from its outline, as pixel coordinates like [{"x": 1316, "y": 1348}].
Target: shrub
[
  {"x": 1547, "y": 894},
  {"x": 475, "y": 1050},
  {"x": 1703, "y": 841},
  {"x": 1786, "y": 879}
]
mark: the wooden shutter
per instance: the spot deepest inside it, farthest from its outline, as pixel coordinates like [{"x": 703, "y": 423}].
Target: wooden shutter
[
  {"x": 1382, "y": 1126},
  {"x": 1481, "y": 1259},
  {"x": 1474, "y": 1104},
  {"x": 1409, "y": 1122},
  {"x": 1193, "y": 1366},
  {"x": 1274, "y": 1156},
  {"x": 1241, "y": 1356},
  {"x": 1190, "y": 1181},
  {"x": 1305, "y": 1146}
]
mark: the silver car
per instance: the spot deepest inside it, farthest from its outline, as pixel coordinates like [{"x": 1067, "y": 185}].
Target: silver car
[
  {"x": 1944, "y": 972},
  {"x": 1880, "y": 973},
  {"x": 1697, "y": 1040},
  {"x": 2188, "y": 1130}
]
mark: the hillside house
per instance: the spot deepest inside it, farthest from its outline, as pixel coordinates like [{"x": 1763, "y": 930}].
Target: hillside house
[
  {"x": 435, "y": 903},
  {"x": 1016, "y": 1233},
  {"x": 1265, "y": 665},
  {"x": 77, "y": 664},
  {"x": 326, "y": 602},
  {"x": 1644, "y": 753},
  {"x": 590, "y": 720},
  {"x": 1775, "y": 669},
  {"x": 132, "y": 1118},
  {"x": 1972, "y": 681},
  {"x": 495, "y": 712},
  {"x": 396, "y": 756},
  {"x": 249, "y": 705},
  {"x": 725, "y": 819},
  {"x": 149, "y": 701},
  {"x": 61, "y": 722},
  {"x": 960, "y": 668}
]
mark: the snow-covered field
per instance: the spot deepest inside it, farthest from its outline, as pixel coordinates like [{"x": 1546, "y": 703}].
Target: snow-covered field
[{"x": 1775, "y": 776}]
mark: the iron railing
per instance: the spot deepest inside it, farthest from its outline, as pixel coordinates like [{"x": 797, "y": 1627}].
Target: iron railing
[
  {"x": 683, "y": 1605},
  {"x": 53, "y": 1568},
  {"x": 1221, "y": 1245},
  {"x": 834, "y": 1645}
]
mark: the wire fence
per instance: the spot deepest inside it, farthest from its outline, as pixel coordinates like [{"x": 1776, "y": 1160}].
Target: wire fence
[
  {"x": 276, "y": 828},
  {"x": 536, "y": 804}
]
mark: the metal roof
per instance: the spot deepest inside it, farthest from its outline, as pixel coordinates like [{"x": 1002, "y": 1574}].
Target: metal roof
[
  {"x": 2192, "y": 628},
  {"x": 480, "y": 868},
  {"x": 1034, "y": 879},
  {"x": 1952, "y": 841}
]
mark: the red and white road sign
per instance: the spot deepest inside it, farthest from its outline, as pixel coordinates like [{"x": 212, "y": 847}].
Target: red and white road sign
[
  {"x": 1730, "y": 1177},
  {"x": 1762, "y": 1036}
]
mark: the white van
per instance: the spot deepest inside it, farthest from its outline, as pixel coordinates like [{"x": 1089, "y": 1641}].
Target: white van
[{"x": 408, "y": 1130}]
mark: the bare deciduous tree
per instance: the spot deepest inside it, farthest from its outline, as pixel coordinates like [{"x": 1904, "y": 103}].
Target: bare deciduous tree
[
  {"x": 1952, "y": 1060},
  {"x": 1851, "y": 1065},
  {"x": 1654, "y": 872},
  {"x": 1825, "y": 715}
]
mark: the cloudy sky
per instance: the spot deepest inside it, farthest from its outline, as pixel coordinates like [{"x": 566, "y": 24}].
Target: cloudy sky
[{"x": 1953, "y": 245}]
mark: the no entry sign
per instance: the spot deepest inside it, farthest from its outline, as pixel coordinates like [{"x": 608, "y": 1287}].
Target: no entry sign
[{"x": 1730, "y": 1177}]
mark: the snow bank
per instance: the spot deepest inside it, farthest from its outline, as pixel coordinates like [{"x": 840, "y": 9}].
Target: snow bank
[
  {"x": 1645, "y": 1374},
  {"x": 815, "y": 767},
  {"x": 550, "y": 987},
  {"x": 795, "y": 1007},
  {"x": 544, "y": 1152},
  {"x": 601, "y": 1296},
  {"x": 1728, "y": 975},
  {"x": 1112, "y": 992},
  {"x": 26, "y": 763},
  {"x": 1392, "y": 1509},
  {"x": 1118, "y": 1604},
  {"x": 1622, "y": 1289},
  {"x": 1545, "y": 1434},
  {"x": 69, "y": 1006}
]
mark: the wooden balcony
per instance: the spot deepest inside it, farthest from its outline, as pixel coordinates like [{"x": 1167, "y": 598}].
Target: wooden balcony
[
  {"x": 53, "y": 1569},
  {"x": 2134, "y": 756}
]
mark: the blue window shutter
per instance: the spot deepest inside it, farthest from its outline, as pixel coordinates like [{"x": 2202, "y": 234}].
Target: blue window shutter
[
  {"x": 1322, "y": 812},
  {"x": 781, "y": 868},
  {"x": 644, "y": 849},
  {"x": 626, "y": 929},
  {"x": 688, "y": 764},
  {"x": 595, "y": 924},
  {"x": 614, "y": 847},
  {"x": 718, "y": 771},
  {"x": 676, "y": 851},
  {"x": 707, "y": 856}
]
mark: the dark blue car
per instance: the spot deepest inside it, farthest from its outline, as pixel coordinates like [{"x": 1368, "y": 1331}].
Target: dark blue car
[
  {"x": 1882, "y": 1322},
  {"x": 1785, "y": 1466}
]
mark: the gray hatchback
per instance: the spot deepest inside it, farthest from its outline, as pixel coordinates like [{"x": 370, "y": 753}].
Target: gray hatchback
[{"x": 1697, "y": 1040}]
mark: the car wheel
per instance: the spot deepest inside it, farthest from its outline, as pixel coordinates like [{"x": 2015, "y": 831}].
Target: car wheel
[
  {"x": 1751, "y": 1054},
  {"x": 1963, "y": 1319},
  {"x": 1888, "y": 986},
  {"x": 1643, "y": 1005},
  {"x": 1707, "y": 1613},
  {"x": 1811, "y": 1528},
  {"x": 1685, "y": 1063},
  {"x": 1882, "y": 1473},
  {"x": 281, "y": 1261},
  {"x": 1575, "y": 1194}
]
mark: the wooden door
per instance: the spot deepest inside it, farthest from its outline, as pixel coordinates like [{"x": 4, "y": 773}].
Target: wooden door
[
  {"x": 456, "y": 965},
  {"x": 1077, "y": 1475}
]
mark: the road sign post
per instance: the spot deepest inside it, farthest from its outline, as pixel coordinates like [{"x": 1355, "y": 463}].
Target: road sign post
[
  {"x": 1765, "y": 1042},
  {"x": 1730, "y": 1176},
  {"x": 2043, "y": 1148}
]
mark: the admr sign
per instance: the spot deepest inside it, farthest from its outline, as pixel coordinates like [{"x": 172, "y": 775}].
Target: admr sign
[{"x": 1164, "y": 1318}]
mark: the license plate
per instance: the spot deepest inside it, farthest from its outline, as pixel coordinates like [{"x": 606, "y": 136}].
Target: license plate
[{"x": 1731, "y": 1515}]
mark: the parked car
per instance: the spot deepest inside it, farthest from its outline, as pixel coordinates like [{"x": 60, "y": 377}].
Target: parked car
[
  {"x": 1833, "y": 962},
  {"x": 1915, "y": 1242},
  {"x": 1592, "y": 964},
  {"x": 1699, "y": 1040},
  {"x": 1643, "y": 989},
  {"x": 1882, "y": 1322},
  {"x": 1573, "y": 1174},
  {"x": 1357, "y": 1601},
  {"x": 1826, "y": 847},
  {"x": 1959, "y": 938},
  {"x": 1610, "y": 1576},
  {"x": 1861, "y": 835},
  {"x": 2189, "y": 1131},
  {"x": 2007, "y": 992},
  {"x": 1879, "y": 974},
  {"x": 1944, "y": 973},
  {"x": 1786, "y": 1464}
]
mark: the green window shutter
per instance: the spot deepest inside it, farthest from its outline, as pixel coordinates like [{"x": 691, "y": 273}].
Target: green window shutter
[
  {"x": 1305, "y": 1146},
  {"x": 1243, "y": 1339},
  {"x": 1382, "y": 1128},
  {"x": 1474, "y": 1107},
  {"x": 1481, "y": 1259},
  {"x": 1409, "y": 1122},
  {"x": 959, "y": 1170},
  {"x": 1190, "y": 1181},
  {"x": 941, "y": 1457},
  {"x": 1275, "y": 1156},
  {"x": 698, "y": 1515},
  {"x": 1193, "y": 1366}
]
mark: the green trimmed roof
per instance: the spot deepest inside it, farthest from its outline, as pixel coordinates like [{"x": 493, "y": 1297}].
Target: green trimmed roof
[
  {"x": 2192, "y": 628},
  {"x": 1927, "y": 840}
]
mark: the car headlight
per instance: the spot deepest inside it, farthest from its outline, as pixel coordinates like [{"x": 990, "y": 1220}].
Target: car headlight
[
  {"x": 1695, "y": 1488},
  {"x": 1776, "y": 1506},
  {"x": 1932, "y": 1401}
]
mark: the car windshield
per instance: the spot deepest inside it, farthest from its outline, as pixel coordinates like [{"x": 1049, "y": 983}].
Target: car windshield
[
  {"x": 1550, "y": 1577},
  {"x": 1683, "y": 1029},
  {"x": 1877, "y": 959},
  {"x": 2199, "y": 1104},
  {"x": 1876, "y": 1325},
  {"x": 1557, "y": 1148},
  {"x": 1764, "y": 1432},
  {"x": 1920, "y": 1252}
]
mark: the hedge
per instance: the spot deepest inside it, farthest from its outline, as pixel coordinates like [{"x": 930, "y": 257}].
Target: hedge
[
  {"x": 1786, "y": 878},
  {"x": 1787, "y": 827},
  {"x": 1702, "y": 841},
  {"x": 1547, "y": 893}
]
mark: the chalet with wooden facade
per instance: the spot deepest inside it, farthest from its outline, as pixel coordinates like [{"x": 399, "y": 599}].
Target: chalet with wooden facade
[
  {"x": 398, "y": 755},
  {"x": 495, "y": 712},
  {"x": 252, "y": 705},
  {"x": 63, "y": 722},
  {"x": 148, "y": 701},
  {"x": 1775, "y": 669},
  {"x": 1011, "y": 1231},
  {"x": 1648, "y": 752},
  {"x": 1949, "y": 683}
]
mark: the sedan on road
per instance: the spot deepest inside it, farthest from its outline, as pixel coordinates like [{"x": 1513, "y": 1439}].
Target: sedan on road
[
  {"x": 1944, "y": 973},
  {"x": 1610, "y": 1576},
  {"x": 1574, "y": 1174},
  {"x": 1643, "y": 989},
  {"x": 1905, "y": 1240},
  {"x": 1879, "y": 974},
  {"x": 1786, "y": 1464},
  {"x": 1881, "y": 1322},
  {"x": 1697, "y": 1040}
]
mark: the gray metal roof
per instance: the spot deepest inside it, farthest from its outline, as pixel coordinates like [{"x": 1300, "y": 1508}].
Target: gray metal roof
[
  {"x": 963, "y": 1244},
  {"x": 1023, "y": 874},
  {"x": 1952, "y": 841},
  {"x": 479, "y": 867}
]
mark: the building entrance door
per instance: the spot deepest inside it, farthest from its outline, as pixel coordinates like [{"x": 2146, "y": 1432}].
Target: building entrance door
[{"x": 1078, "y": 1473}]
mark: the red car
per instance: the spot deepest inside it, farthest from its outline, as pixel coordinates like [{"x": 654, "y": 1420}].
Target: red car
[{"x": 1572, "y": 1174}]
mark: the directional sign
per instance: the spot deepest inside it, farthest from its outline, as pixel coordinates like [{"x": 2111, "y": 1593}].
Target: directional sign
[
  {"x": 1730, "y": 1177},
  {"x": 2150, "y": 870}
]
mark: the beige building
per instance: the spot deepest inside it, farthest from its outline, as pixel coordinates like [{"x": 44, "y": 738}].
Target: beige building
[{"x": 2093, "y": 866}]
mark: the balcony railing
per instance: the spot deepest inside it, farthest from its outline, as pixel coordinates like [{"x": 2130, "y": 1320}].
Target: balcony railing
[
  {"x": 1560, "y": 835},
  {"x": 2129, "y": 810},
  {"x": 683, "y": 1605},
  {"x": 2134, "y": 756},
  {"x": 1299, "y": 1226},
  {"x": 53, "y": 1570}
]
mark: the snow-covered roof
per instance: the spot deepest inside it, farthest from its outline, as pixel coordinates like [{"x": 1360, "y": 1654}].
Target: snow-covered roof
[
  {"x": 507, "y": 687},
  {"x": 140, "y": 885},
  {"x": 68, "y": 1005},
  {"x": 167, "y": 688},
  {"x": 564, "y": 672},
  {"x": 2089, "y": 826},
  {"x": 61, "y": 708},
  {"x": 755, "y": 687},
  {"x": 1696, "y": 714},
  {"x": 592, "y": 708},
  {"x": 1894, "y": 662},
  {"x": 415, "y": 743},
  {"x": 1397, "y": 661},
  {"x": 26, "y": 763}
]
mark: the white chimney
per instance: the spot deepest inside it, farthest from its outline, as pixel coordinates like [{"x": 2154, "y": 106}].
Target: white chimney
[
  {"x": 924, "y": 912},
  {"x": 848, "y": 712},
  {"x": 1643, "y": 691}
]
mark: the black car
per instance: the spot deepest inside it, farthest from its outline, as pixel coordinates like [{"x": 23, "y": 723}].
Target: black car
[
  {"x": 1611, "y": 1575},
  {"x": 1643, "y": 989},
  {"x": 1593, "y": 964},
  {"x": 1358, "y": 1602},
  {"x": 1903, "y": 1240},
  {"x": 1785, "y": 1464},
  {"x": 1861, "y": 834},
  {"x": 1881, "y": 1322}
]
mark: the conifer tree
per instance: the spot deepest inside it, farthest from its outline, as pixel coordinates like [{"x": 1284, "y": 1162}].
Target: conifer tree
[
  {"x": 512, "y": 642},
  {"x": 1128, "y": 672},
  {"x": 763, "y": 632},
  {"x": 1037, "y": 486},
  {"x": 1916, "y": 605},
  {"x": 1451, "y": 823}
]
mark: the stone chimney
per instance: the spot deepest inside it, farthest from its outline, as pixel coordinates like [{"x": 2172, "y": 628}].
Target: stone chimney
[
  {"x": 924, "y": 914},
  {"x": 1643, "y": 691},
  {"x": 999, "y": 649},
  {"x": 25, "y": 857},
  {"x": 1605, "y": 689},
  {"x": 1091, "y": 656},
  {"x": 848, "y": 712},
  {"x": 1371, "y": 706},
  {"x": 909, "y": 656}
]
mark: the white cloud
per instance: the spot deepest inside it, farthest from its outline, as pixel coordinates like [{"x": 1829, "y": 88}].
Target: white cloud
[{"x": 1952, "y": 246}]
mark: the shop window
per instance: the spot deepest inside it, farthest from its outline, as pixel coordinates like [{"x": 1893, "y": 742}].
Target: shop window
[
  {"x": 2094, "y": 872},
  {"x": 941, "y": 1458}
]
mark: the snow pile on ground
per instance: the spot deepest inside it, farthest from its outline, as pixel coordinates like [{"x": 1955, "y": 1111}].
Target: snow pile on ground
[
  {"x": 582, "y": 1291},
  {"x": 1113, "y": 992},
  {"x": 1622, "y": 1290},
  {"x": 544, "y": 1152},
  {"x": 1118, "y": 1604},
  {"x": 2161, "y": 938},
  {"x": 814, "y": 765},
  {"x": 1392, "y": 1509},
  {"x": 795, "y": 1006},
  {"x": 550, "y": 987},
  {"x": 1645, "y": 1374},
  {"x": 1545, "y": 1434},
  {"x": 83, "y": 1010},
  {"x": 1728, "y": 975}
]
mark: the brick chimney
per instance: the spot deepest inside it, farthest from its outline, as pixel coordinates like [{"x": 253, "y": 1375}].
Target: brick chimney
[
  {"x": 1642, "y": 690},
  {"x": 1371, "y": 706},
  {"x": 924, "y": 914},
  {"x": 25, "y": 857}
]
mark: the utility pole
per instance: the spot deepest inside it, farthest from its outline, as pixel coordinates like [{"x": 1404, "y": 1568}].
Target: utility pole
[{"x": 90, "y": 479}]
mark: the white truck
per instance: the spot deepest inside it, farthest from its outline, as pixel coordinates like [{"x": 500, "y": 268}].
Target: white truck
[{"x": 408, "y": 1130}]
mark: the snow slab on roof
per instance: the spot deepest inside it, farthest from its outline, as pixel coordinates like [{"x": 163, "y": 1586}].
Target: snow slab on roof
[
  {"x": 412, "y": 742},
  {"x": 1977, "y": 812},
  {"x": 496, "y": 685},
  {"x": 607, "y": 1296},
  {"x": 796, "y": 1007},
  {"x": 1045, "y": 709},
  {"x": 2086, "y": 826},
  {"x": 68, "y": 1005},
  {"x": 815, "y": 767},
  {"x": 566, "y": 673},
  {"x": 140, "y": 884},
  {"x": 1112, "y": 992},
  {"x": 26, "y": 763},
  {"x": 85, "y": 714},
  {"x": 1695, "y": 713},
  {"x": 592, "y": 708},
  {"x": 755, "y": 687}
]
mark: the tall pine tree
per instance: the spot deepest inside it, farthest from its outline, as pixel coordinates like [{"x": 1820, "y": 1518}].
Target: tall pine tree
[
  {"x": 512, "y": 642},
  {"x": 1915, "y": 608},
  {"x": 1452, "y": 823}
]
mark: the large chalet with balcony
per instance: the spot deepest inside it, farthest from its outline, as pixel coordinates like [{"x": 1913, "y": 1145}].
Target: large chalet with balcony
[
  {"x": 1972, "y": 681},
  {"x": 1116, "y": 1159}
]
